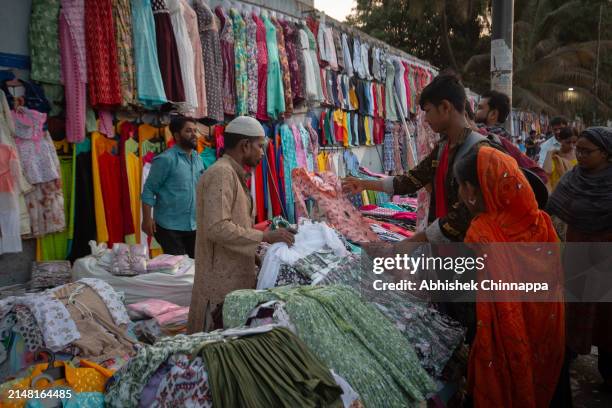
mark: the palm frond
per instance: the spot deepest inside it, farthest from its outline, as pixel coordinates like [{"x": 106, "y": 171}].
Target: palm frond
[{"x": 528, "y": 100}]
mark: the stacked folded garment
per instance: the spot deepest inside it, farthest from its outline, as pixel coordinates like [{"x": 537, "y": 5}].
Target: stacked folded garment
[
  {"x": 170, "y": 318},
  {"x": 169, "y": 264}
]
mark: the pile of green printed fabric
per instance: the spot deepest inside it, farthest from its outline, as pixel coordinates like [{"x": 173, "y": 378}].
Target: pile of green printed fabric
[
  {"x": 350, "y": 336},
  {"x": 262, "y": 367}
]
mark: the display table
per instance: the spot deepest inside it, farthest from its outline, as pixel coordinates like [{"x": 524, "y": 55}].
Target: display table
[{"x": 172, "y": 288}]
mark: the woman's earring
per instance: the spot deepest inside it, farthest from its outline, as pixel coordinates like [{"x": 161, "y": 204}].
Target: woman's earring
[{"x": 472, "y": 201}]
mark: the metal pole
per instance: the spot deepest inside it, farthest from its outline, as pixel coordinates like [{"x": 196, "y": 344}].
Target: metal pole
[
  {"x": 501, "y": 49},
  {"x": 596, "y": 85}
]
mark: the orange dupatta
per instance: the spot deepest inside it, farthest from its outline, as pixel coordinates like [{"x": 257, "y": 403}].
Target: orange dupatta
[{"x": 518, "y": 350}]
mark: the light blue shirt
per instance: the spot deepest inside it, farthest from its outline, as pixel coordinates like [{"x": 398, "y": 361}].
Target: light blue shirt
[{"x": 171, "y": 189}]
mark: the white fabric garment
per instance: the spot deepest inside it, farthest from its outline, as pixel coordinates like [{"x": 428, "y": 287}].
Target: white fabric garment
[
  {"x": 111, "y": 298},
  {"x": 331, "y": 48},
  {"x": 185, "y": 53},
  {"x": 311, "y": 237},
  {"x": 349, "y": 395},
  {"x": 357, "y": 61},
  {"x": 376, "y": 64},
  {"x": 54, "y": 320},
  {"x": 310, "y": 84},
  {"x": 348, "y": 62},
  {"x": 365, "y": 60},
  {"x": 400, "y": 87},
  {"x": 550, "y": 144},
  {"x": 323, "y": 50}
]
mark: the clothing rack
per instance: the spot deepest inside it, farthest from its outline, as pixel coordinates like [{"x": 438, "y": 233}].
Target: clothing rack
[{"x": 390, "y": 50}]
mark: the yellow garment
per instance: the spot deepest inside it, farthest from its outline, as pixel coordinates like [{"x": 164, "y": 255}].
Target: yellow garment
[
  {"x": 147, "y": 132},
  {"x": 322, "y": 162},
  {"x": 353, "y": 98},
  {"x": 134, "y": 173},
  {"x": 89, "y": 377},
  {"x": 560, "y": 167},
  {"x": 368, "y": 134},
  {"x": 345, "y": 125},
  {"x": 99, "y": 145},
  {"x": 365, "y": 198}
]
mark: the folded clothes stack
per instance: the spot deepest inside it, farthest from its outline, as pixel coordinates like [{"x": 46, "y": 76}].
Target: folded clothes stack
[
  {"x": 170, "y": 264},
  {"x": 170, "y": 318}
]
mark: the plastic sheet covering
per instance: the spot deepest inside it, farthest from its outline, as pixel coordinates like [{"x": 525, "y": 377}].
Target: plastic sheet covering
[{"x": 171, "y": 288}]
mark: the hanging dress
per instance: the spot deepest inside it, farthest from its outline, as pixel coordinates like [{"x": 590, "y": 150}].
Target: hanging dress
[
  {"x": 252, "y": 67},
  {"x": 74, "y": 67},
  {"x": 102, "y": 65},
  {"x": 213, "y": 66},
  {"x": 44, "y": 41},
  {"x": 228, "y": 57},
  {"x": 240, "y": 62},
  {"x": 167, "y": 53},
  {"x": 284, "y": 63},
  {"x": 276, "y": 96},
  {"x": 262, "y": 70},
  {"x": 191, "y": 22},
  {"x": 185, "y": 55},
  {"x": 122, "y": 16},
  {"x": 149, "y": 84}
]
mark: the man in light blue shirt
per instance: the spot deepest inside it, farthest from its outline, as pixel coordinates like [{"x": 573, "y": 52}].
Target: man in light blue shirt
[
  {"x": 553, "y": 143},
  {"x": 169, "y": 194}
]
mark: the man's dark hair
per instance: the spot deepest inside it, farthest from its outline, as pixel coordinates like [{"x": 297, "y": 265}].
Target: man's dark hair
[
  {"x": 559, "y": 121},
  {"x": 500, "y": 102},
  {"x": 177, "y": 123},
  {"x": 532, "y": 133},
  {"x": 444, "y": 87},
  {"x": 566, "y": 133},
  {"x": 231, "y": 140}
]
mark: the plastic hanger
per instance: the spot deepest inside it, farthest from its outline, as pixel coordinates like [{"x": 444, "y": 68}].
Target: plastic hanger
[{"x": 51, "y": 373}]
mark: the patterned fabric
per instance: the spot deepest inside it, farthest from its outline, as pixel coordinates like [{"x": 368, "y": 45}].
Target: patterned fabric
[
  {"x": 45, "y": 204},
  {"x": 252, "y": 68},
  {"x": 74, "y": 67},
  {"x": 102, "y": 65},
  {"x": 351, "y": 337},
  {"x": 240, "y": 60},
  {"x": 27, "y": 327},
  {"x": 293, "y": 50},
  {"x": 35, "y": 147},
  {"x": 262, "y": 69},
  {"x": 289, "y": 163},
  {"x": 308, "y": 149},
  {"x": 289, "y": 275},
  {"x": 131, "y": 379},
  {"x": 191, "y": 23},
  {"x": 122, "y": 16},
  {"x": 185, "y": 385},
  {"x": 78, "y": 400},
  {"x": 211, "y": 49},
  {"x": 111, "y": 298},
  {"x": 52, "y": 317},
  {"x": 284, "y": 63},
  {"x": 44, "y": 41},
  {"x": 388, "y": 155},
  {"x": 148, "y": 76},
  {"x": 332, "y": 205},
  {"x": 228, "y": 57}
]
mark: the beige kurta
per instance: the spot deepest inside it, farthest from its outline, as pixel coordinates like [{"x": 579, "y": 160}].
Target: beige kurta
[{"x": 226, "y": 241}]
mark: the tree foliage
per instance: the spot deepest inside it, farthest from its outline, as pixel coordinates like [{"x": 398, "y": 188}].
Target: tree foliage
[{"x": 555, "y": 46}]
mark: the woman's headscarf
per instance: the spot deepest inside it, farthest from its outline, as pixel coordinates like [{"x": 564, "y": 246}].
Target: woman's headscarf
[
  {"x": 513, "y": 361},
  {"x": 584, "y": 200}
]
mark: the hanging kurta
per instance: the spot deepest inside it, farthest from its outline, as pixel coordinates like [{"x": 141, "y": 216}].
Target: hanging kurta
[
  {"x": 185, "y": 55},
  {"x": 284, "y": 63},
  {"x": 290, "y": 34},
  {"x": 44, "y": 41},
  {"x": 167, "y": 53},
  {"x": 262, "y": 70},
  {"x": 252, "y": 64},
  {"x": 122, "y": 16},
  {"x": 102, "y": 65},
  {"x": 240, "y": 62},
  {"x": 74, "y": 67},
  {"x": 275, "y": 92},
  {"x": 228, "y": 57},
  {"x": 149, "y": 82},
  {"x": 310, "y": 84},
  {"x": 226, "y": 241},
  {"x": 315, "y": 64},
  {"x": 191, "y": 22},
  {"x": 213, "y": 65}
]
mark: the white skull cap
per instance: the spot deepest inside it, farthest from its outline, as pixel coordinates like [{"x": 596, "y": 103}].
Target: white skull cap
[{"x": 246, "y": 126}]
